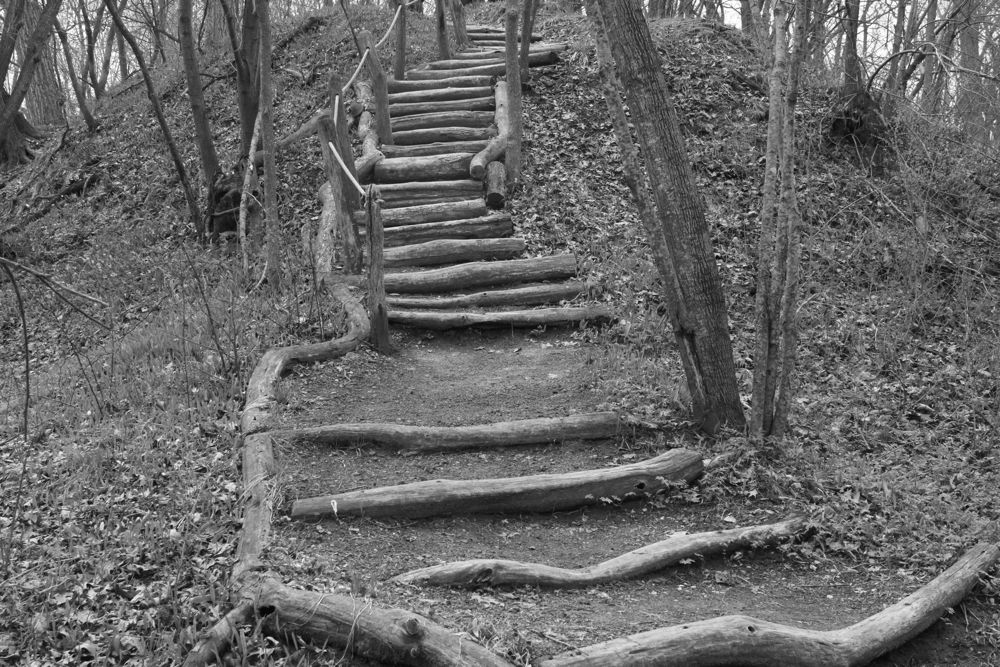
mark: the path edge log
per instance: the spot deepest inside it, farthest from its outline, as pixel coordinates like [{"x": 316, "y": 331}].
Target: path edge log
[
  {"x": 496, "y": 185},
  {"x": 381, "y": 340},
  {"x": 532, "y": 493},
  {"x": 763, "y": 643},
  {"x": 639, "y": 562},
  {"x": 498, "y": 144},
  {"x": 587, "y": 426}
]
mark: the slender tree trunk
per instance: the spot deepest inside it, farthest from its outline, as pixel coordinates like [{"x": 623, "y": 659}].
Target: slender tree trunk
[
  {"x": 897, "y": 43},
  {"x": 853, "y": 76},
  {"x": 527, "y": 25},
  {"x": 193, "y": 210},
  {"x": 246, "y": 58},
  {"x": 702, "y": 323},
  {"x": 458, "y": 23},
  {"x": 929, "y": 63},
  {"x": 199, "y": 114},
  {"x": 44, "y": 101},
  {"x": 272, "y": 238},
  {"x": 512, "y": 155},
  {"x": 444, "y": 51},
  {"x": 75, "y": 82}
]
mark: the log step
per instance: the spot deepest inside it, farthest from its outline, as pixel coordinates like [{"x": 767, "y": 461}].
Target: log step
[
  {"x": 415, "y": 215},
  {"x": 415, "y": 193},
  {"x": 436, "y": 148},
  {"x": 531, "y": 493},
  {"x": 536, "y": 58},
  {"x": 490, "y": 52},
  {"x": 443, "y": 75},
  {"x": 441, "y": 320},
  {"x": 527, "y": 295},
  {"x": 482, "y": 274},
  {"x": 440, "y": 94},
  {"x": 585, "y": 426},
  {"x": 444, "y": 119},
  {"x": 452, "y": 251},
  {"x": 471, "y": 104},
  {"x": 455, "y": 81},
  {"x": 485, "y": 227},
  {"x": 449, "y": 166},
  {"x": 490, "y": 34},
  {"x": 442, "y": 134}
]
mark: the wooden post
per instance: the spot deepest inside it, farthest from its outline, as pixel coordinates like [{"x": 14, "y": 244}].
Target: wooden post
[
  {"x": 377, "y": 75},
  {"x": 496, "y": 185},
  {"x": 341, "y": 224},
  {"x": 342, "y": 140},
  {"x": 527, "y": 24},
  {"x": 458, "y": 21},
  {"x": 370, "y": 154},
  {"x": 444, "y": 52},
  {"x": 513, "y": 153},
  {"x": 399, "y": 58},
  {"x": 376, "y": 281}
]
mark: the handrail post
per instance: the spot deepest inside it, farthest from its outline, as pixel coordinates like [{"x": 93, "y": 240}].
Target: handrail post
[
  {"x": 342, "y": 219},
  {"x": 399, "y": 58},
  {"x": 376, "y": 281},
  {"x": 377, "y": 74}
]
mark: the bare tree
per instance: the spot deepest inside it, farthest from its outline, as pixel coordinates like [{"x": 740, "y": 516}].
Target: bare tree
[{"x": 272, "y": 238}]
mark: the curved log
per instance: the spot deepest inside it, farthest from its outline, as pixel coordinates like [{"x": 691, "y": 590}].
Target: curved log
[
  {"x": 727, "y": 640},
  {"x": 388, "y": 636},
  {"x": 641, "y": 561},
  {"x": 531, "y": 295},
  {"x": 451, "y": 251},
  {"x": 444, "y": 320},
  {"x": 533, "y": 493},
  {"x": 587, "y": 426},
  {"x": 478, "y": 274},
  {"x": 494, "y": 150}
]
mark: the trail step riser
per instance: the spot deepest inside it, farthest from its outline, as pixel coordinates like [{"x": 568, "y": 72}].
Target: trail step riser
[
  {"x": 436, "y": 148},
  {"x": 440, "y": 95},
  {"x": 482, "y": 274},
  {"x": 453, "y": 166},
  {"x": 488, "y": 226},
  {"x": 416, "y": 215},
  {"x": 442, "y": 134},
  {"x": 411, "y": 108},
  {"x": 448, "y": 119},
  {"x": 410, "y": 85}
]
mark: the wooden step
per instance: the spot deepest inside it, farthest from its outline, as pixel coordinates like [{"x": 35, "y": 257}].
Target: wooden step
[
  {"x": 482, "y": 274},
  {"x": 416, "y": 215},
  {"x": 415, "y": 193},
  {"x": 442, "y": 134},
  {"x": 471, "y": 104},
  {"x": 532, "y": 493},
  {"x": 440, "y": 94},
  {"x": 455, "y": 81},
  {"x": 497, "y": 225},
  {"x": 535, "y": 59},
  {"x": 442, "y": 75},
  {"x": 526, "y": 295},
  {"x": 462, "y": 63},
  {"x": 441, "y": 320},
  {"x": 436, "y": 148},
  {"x": 495, "y": 52},
  {"x": 452, "y": 251},
  {"x": 449, "y": 119},
  {"x": 489, "y": 34},
  {"x": 449, "y": 166}
]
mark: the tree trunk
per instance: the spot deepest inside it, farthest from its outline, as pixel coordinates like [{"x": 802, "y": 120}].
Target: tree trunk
[
  {"x": 246, "y": 59},
  {"x": 444, "y": 51},
  {"x": 853, "y": 75},
  {"x": 45, "y": 101},
  {"x": 399, "y": 57},
  {"x": 75, "y": 82},
  {"x": 527, "y": 24},
  {"x": 702, "y": 325},
  {"x": 196, "y": 96},
  {"x": 458, "y": 23},
  {"x": 272, "y": 239},
  {"x": 512, "y": 152}
]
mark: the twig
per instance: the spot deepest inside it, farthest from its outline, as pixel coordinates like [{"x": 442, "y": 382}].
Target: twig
[{"x": 54, "y": 283}]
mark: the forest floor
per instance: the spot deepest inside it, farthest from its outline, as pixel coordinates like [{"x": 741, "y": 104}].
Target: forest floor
[{"x": 127, "y": 507}]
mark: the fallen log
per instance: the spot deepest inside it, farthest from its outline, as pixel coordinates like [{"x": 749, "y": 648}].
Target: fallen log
[
  {"x": 445, "y": 74},
  {"x": 490, "y": 226},
  {"x": 533, "y": 493},
  {"x": 440, "y": 95},
  {"x": 494, "y": 150},
  {"x": 470, "y": 104},
  {"x": 415, "y": 215},
  {"x": 435, "y": 148},
  {"x": 444, "y": 320},
  {"x": 442, "y": 134},
  {"x": 386, "y": 636},
  {"x": 415, "y": 193},
  {"x": 728, "y": 640},
  {"x": 397, "y": 86},
  {"x": 479, "y": 274},
  {"x": 532, "y": 295},
  {"x": 451, "y": 251},
  {"x": 449, "y": 166},
  {"x": 587, "y": 426},
  {"x": 425, "y": 121},
  {"x": 639, "y": 562},
  {"x": 496, "y": 184}
]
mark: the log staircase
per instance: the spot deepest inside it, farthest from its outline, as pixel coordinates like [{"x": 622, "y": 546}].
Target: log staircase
[{"x": 452, "y": 260}]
